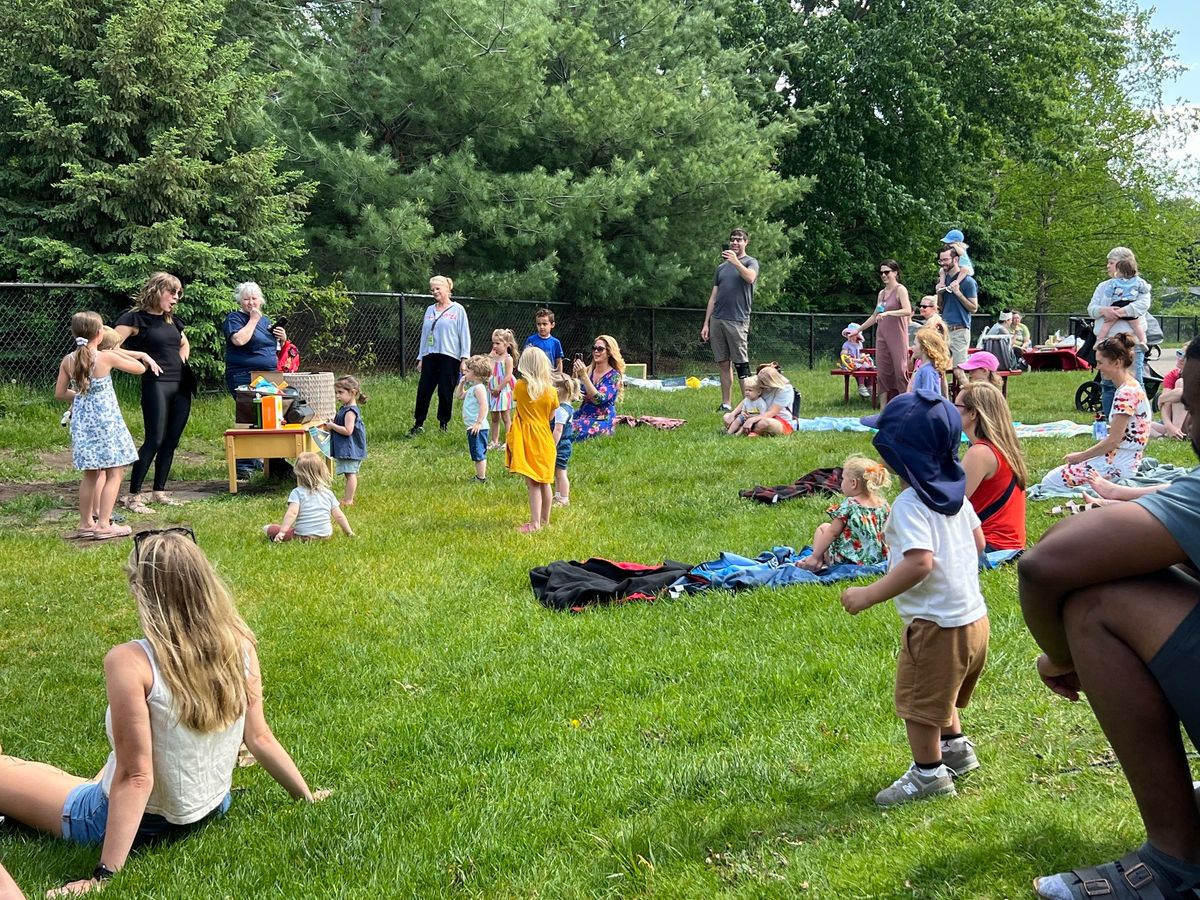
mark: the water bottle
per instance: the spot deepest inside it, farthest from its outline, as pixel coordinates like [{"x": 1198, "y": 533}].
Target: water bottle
[{"x": 1099, "y": 428}]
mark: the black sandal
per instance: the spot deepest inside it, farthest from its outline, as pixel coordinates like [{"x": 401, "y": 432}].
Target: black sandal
[{"x": 1128, "y": 878}]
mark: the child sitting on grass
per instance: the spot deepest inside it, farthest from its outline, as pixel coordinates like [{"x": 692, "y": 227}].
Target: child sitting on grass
[
  {"x": 312, "y": 506},
  {"x": 473, "y": 392},
  {"x": 752, "y": 405},
  {"x": 935, "y": 539},
  {"x": 855, "y": 533}
]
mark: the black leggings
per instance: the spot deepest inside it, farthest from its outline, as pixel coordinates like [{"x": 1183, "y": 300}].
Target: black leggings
[
  {"x": 437, "y": 371},
  {"x": 165, "y": 409}
]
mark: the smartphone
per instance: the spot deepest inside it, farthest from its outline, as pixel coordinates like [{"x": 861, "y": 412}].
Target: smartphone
[
  {"x": 725, "y": 246},
  {"x": 578, "y": 357},
  {"x": 281, "y": 322}
]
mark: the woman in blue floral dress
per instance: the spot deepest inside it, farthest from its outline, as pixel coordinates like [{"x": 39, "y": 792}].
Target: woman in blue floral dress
[{"x": 602, "y": 383}]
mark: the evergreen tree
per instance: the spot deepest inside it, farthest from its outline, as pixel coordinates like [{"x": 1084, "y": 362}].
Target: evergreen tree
[
  {"x": 120, "y": 140},
  {"x": 589, "y": 151}
]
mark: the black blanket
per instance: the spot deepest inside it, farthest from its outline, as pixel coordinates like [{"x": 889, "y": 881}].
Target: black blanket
[{"x": 573, "y": 585}]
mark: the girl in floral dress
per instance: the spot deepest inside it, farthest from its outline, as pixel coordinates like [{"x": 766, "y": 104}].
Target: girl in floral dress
[
  {"x": 500, "y": 385},
  {"x": 854, "y": 534}
]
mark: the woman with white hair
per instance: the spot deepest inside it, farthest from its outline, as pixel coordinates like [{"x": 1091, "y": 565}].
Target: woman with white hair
[
  {"x": 251, "y": 345},
  {"x": 442, "y": 354},
  {"x": 1119, "y": 305}
]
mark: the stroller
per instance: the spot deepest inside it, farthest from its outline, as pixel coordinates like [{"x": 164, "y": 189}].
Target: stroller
[{"x": 1087, "y": 396}]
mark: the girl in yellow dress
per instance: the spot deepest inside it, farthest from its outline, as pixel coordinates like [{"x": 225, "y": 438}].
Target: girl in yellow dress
[{"x": 530, "y": 450}]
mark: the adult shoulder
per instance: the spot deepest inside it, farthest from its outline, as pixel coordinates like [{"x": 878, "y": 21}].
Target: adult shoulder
[{"x": 133, "y": 318}]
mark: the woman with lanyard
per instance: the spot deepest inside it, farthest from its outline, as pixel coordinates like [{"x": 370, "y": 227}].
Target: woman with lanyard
[
  {"x": 152, "y": 328},
  {"x": 444, "y": 347}
]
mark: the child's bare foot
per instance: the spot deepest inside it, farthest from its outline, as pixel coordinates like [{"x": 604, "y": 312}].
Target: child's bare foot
[
  {"x": 528, "y": 528},
  {"x": 347, "y": 503}
]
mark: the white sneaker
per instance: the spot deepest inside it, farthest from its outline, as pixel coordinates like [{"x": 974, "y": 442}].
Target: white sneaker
[
  {"x": 864, "y": 391},
  {"x": 912, "y": 785}
]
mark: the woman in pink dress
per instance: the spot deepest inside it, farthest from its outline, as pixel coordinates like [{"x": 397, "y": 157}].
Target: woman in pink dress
[{"x": 892, "y": 314}]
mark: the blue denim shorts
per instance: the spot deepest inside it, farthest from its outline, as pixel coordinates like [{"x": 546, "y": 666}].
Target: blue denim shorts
[
  {"x": 477, "y": 444},
  {"x": 562, "y": 454},
  {"x": 348, "y": 466},
  {"x": 85, "y": 816}
]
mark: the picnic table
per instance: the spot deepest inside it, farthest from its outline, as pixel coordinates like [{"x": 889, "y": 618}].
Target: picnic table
[
  {"x": 870, "y": 375},
  {"x": 1061, "y": 359}
]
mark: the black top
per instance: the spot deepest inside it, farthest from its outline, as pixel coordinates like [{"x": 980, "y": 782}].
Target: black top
[{"x": 161, "y": 339}]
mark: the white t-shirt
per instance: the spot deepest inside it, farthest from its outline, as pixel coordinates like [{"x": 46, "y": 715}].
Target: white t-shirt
[
  {"x": 949, "y": 595},
  {"x": 783, "y": 396},
  {"x": 316, "y": 510}
]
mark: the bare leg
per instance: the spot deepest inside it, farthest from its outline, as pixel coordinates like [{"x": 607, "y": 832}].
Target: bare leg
[
  {"x": 87, "y": 498},
  {"x": 535, "y": 504},
  {"x": 8, "y": 887},
  {"x": 481, "y": 468},
  {"x": 955, "y": 726},
  {"x": 101, "y": 480},
  {"x": 1114, "y": 629},
  {"x": 726, "y": 370},
  {"x": 924, "y": 740},
  {"x": 506, "y": 417},
  {"x": 108, "y": 495},
  {"x": 494, "y": 426},
  {"x": 768, "y": 426},
  {"x": 562, "y": 483},
  {"x": 351, "y": 487},
  {"x": 33, "y": 793},
  {"x": 546, "y": 490}
]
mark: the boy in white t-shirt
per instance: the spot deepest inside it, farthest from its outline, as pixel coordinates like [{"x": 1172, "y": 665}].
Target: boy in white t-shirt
[{"x": 934, "y": 539}]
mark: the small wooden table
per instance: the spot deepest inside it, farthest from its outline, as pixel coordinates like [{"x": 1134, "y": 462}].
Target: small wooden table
[
  {"x": 267, "y": 444},
  {"x": 871, "y": 375}
]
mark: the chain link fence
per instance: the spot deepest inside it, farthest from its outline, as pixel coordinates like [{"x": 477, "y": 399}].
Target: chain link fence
[{"x": 382, "y": 332}]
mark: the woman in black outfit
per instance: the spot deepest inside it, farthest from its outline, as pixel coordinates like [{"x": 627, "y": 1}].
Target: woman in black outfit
[{"x": 166, "y": 398}]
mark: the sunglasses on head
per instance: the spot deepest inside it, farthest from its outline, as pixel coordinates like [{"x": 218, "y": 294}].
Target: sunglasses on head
[{"x": 140, "y": 536}]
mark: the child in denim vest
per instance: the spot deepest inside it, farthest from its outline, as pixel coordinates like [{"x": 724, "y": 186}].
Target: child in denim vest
[{"x": 563, "y": 434}]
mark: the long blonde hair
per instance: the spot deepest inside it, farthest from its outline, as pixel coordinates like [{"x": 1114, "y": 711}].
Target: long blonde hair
[
  {"x": 311, "y": 471},
  {"x": 567, "y": 387},
  {"x": 872, "y": 475},
  {"x": 146, "y": 298},
  {"x": 934, "y": 346},
  {"x": 614, "y": 359},
  {"x": 84, "y": 327},
  {"x": 534, "y": 366},
  {"x": 993, "y": 423},
  {"x": 187, "y": 614}
]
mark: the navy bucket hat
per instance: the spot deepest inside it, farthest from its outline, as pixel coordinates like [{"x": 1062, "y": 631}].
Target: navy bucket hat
[{"x": 918, "y": 437}]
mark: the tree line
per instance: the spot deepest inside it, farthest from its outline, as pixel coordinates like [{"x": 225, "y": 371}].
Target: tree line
[{"x": 593, "y": 151}]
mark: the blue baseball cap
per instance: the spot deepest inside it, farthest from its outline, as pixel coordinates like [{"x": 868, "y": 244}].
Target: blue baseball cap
[
  {"x": 953, "y": 236},
  {"x": 918, "y": 437}
]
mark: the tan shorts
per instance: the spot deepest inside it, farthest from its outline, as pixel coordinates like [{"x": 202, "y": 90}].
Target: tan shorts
[
  {"x": 960, "y": 344},
  {"x": 729, "y": 340},
  {"x": 937, "y": 669}
]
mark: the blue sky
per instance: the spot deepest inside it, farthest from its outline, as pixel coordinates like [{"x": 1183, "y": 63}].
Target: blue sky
[{"x": 1182, "y": 16}]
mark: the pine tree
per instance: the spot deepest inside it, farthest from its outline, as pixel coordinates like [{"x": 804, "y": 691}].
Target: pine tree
[{"x": 122, "y": 155}]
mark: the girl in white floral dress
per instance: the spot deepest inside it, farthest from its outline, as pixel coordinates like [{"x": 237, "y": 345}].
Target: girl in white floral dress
[{"x": 100, "y": 440}]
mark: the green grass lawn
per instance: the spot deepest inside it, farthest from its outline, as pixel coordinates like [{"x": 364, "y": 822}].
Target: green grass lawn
[{"x": 479, "y": 745}]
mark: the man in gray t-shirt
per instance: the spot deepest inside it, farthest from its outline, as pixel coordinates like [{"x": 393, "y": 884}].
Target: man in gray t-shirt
[{"x": 727, "y": 318}]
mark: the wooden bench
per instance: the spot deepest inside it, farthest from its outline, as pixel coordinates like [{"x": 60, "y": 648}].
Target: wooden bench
[
  {"x": 268, "y": 444},
  {"x": 870, "y": 375}
]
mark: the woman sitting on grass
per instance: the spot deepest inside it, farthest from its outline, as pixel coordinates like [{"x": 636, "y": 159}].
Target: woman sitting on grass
[
  {"x": 181, "y": 701},
  {"x": 779, "y": 396},
  {"x": 995, "y": 466}
]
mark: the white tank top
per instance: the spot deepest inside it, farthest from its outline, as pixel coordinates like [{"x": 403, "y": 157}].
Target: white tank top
[{"x": 192, "y": 771}]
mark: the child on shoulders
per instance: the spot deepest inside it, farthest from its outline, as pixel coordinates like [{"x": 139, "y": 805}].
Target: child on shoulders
[
  {"x": 855, "y": 533},
  {"x": 312, "y": 507},
  {"x": 966, "y": 269},
  {"x": 935, "y": 539}
]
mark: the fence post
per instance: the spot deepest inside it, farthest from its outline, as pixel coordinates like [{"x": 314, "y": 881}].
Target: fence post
[
  {"x": 653, "y": 344},
  {"x": 403, "y": 358},
  {"x": 812, "y": 338}
]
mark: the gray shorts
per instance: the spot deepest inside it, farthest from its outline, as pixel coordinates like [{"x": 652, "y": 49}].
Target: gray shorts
[
  {"x": 729, "y": 340},
  {"x": 960, "y": 344},
  {"x": 1176, "y": 668}
]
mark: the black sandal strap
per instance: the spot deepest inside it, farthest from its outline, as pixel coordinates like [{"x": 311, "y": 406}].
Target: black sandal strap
[{"x": 1136, "y": 875}]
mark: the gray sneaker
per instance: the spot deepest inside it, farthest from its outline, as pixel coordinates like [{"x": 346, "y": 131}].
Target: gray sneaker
[
  {"x": 958, "y": 756},
  {"x": 912, "y": 785}
]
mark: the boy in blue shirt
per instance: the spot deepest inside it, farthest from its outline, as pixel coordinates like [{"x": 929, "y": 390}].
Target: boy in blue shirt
[{"x": 544, "y": 320}]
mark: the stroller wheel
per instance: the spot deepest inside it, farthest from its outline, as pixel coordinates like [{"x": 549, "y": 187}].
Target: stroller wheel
[
  {"x": 1087, "y": 397},
  {"x": 1154, "y": 352}
]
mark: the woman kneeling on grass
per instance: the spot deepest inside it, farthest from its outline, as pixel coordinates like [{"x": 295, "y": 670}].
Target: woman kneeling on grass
[{"x": 181, "y": 701}]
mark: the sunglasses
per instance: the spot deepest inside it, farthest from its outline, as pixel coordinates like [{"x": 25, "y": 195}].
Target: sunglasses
[
  {"x": 927, "y": 306},
  {"x": 140, "y": 536},
  {"x": 885, "y": 271},
  {"x": 599, "y": 349}
]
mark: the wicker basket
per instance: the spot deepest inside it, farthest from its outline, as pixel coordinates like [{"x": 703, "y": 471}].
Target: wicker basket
[{"x": 315, "y": 388}]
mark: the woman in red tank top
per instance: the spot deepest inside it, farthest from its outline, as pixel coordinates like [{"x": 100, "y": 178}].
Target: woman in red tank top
[{"x": 996, "y": 474}]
